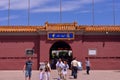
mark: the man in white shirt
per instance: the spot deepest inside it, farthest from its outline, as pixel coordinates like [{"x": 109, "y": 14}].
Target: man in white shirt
[{"x": 74, "y": 66}]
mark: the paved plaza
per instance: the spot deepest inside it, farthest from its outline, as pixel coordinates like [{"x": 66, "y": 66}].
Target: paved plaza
[{"x": 94, "y": 75}]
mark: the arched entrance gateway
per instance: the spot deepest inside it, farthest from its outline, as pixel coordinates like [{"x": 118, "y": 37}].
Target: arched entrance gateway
[{"x": 60, "y": 49}]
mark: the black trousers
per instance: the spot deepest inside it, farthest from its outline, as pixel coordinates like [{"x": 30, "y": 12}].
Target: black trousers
[
  {"x": 74, "y": 71},
  {"x": 87, "y": 69}
]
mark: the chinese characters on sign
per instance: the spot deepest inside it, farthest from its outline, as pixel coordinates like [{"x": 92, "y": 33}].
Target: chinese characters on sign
[{"x": 60, "y": 35}]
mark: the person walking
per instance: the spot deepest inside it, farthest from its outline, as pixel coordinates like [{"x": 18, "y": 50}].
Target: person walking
[
  {"x": 59, "y": 66},
  {"x": 74, "y": 66},
  {"x": 87, "y": 62},
  {"x": 64, "y": 70},
  {"x": 28, "y": 69},
  {"x": 47, "y": 70}
]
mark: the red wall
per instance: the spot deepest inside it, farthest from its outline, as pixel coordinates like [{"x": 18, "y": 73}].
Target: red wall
[
  {"x": 107, "y": 47},
  {"x": 12, "y": 50}
]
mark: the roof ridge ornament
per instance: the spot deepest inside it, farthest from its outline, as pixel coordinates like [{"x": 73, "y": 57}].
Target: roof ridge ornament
[{"x": 61, "y": 26}]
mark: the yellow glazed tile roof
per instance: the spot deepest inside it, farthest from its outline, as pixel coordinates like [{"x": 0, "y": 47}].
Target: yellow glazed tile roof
[
  {"x": 60, "y": 27},
  {"x": 102, "y": 29},
  {"x": 20, "y": 28},
  {"x": 99, "y": 28}
]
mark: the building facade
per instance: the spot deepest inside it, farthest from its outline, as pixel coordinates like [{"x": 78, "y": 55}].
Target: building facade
[{"x": 62, "y": 40}]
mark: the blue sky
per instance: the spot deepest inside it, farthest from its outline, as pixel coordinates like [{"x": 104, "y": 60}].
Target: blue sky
[{"x": 49, "y": 10}]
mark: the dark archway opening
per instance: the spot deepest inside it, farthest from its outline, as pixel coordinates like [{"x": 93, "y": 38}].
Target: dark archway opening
[{"x": 60, "y": 49}]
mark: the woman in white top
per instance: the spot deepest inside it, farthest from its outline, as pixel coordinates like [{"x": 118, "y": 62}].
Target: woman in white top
[{"x": 59, "y": 66}]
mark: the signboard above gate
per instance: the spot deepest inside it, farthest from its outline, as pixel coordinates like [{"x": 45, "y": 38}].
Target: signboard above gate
[{"x": 60, "y": 35}]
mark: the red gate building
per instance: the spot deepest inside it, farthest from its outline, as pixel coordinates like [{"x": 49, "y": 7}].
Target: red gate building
[{"x": 100, "y": 43}]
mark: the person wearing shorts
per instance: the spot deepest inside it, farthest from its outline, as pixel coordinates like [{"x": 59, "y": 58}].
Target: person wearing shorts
[{"x": 28, "y": 69}]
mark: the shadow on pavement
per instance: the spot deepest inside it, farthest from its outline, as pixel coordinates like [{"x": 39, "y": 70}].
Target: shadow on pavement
[{"x": 117, "y": 71}]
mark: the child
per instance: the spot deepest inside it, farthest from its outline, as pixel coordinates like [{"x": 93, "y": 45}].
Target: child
[{"x": 41, "y": 74}]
